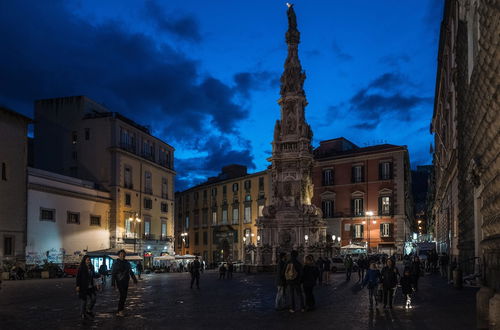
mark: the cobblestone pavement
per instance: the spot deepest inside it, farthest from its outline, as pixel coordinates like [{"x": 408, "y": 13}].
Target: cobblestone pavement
[{"x": 244, "y": 302}]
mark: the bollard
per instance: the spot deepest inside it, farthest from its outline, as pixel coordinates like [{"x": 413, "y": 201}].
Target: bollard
[{"x": 457, "y": 278}]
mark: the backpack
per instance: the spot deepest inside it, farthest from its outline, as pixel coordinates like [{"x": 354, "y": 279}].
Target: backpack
[{"x": 290, "y": 272}]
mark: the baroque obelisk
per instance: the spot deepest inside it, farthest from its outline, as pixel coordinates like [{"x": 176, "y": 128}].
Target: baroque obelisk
[{"x": 290, "y": 221}]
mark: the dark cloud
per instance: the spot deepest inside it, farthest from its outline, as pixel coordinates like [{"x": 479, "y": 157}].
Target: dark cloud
[
  {"x": 339, "y": 53},
  {"x": 245, "y": 82},
  {"x": 388, "y": 94},
  {"x": 219, "y": 154},
  {"x": 366, "y": 125},
  {"x": 185, "y": 27},
  {"x": 395, "y": 60},
  {"x": 52, "y": 53}
]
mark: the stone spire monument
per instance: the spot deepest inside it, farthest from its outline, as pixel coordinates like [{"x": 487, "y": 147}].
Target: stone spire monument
[{"x": 290, "y": 221}]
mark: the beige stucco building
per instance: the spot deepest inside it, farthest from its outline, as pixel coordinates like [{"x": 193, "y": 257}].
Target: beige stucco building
[
  {"x": 13, "y": 164},
  {"x": 76, "y": 136}
]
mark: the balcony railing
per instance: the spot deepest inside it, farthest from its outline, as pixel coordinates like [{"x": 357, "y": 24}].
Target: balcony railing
[{"x": 148, "y": 237}]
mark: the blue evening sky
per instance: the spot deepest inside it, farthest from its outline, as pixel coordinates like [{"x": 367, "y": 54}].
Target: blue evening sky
[{"x": 205, "y": 74}]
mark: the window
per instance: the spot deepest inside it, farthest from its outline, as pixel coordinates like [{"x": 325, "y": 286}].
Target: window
[
  {"x": 214, "y": 218},
  {"x": 247, "y": 216},
  {"x": 248, "y": 184},
  {"x": 205, "y": 238},
  {"x": 327, "y": 207},
  {"x": 214, "y": 192},
  {"x": 73, "y": 217},
  {"x": 47, "y": 214},
  {"x": 236, "y": 214},
  {"x": 385, "y": 230},
  {"x": 128, "y": 199},
  {"x": 197, "y": 238},
  {"x": 248, "y": 198},
  {"x": 385, "y": 171},
  {"x": 148, "y": 149},
  {"x": 261, "y": 209},
  {"x": 148, "y": 188},
  {"x": 357, "y": 207},
  {"x": 235, "y": 187},
  {"x": 163, "y": 157},
  {"x": 127, "y": 140},
  {"x": 224, "y": 190},
  {"x": 358, "y": 231},
  {"x": 128, "y": 178},
  {"x": 163, "y": 228},
  {"x": 224, "y": 216},
  {"x": 128, "y": 226},
  {"x": 164, "y": 188},
  {"x": 8, "y": 245},
  {"x": 357, "y": 174},
  {"x": 195, "y": 196},
  {"x": 261, "y": 183},
  {"x": 327, "y": 177},
  {"x": 148, "y": 203},
  {"x": 74, "y": 137},
  {"x": 187, "y": 222},
  {"x": 204, "y": 195},
  {"x": 95, "y": 220},
  {"x": 384, "y": 205},
  {"x": 247, "y": 235},
  {"x": 164, "y": 207},
  {"x": 196, "y": 222},
  {"x": 87, "y": 134},
  {"x": 4, "y": 172},
  {"x": 204, "y": 218},
  {"x": 147, "y": 226}
]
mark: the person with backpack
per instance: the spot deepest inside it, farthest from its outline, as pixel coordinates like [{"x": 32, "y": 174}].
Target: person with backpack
[
  {"x": 222, "y": 271},
  {"x": 280, "y": 301},
  {"x": 293, "y": 276},
  {"x": 372, "y": 279},
  {"x": 194, "y": 269},
  {"x": 139, "y": 269},
  {"x": 85, "y": 287},
  {"x": 121, "y": 272},
  {"x": 362, "y": 266},
  {"x": 390, "y": 275},
  {"x": 230, "y": 270},
  {"x": 103, "y": 272},
  {"x": 406, "y": 287},
  {"x": 310, "y": 275}
]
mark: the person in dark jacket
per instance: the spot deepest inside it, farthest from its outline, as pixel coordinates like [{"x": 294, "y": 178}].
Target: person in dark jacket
[
  {"x": 222, "y": 271},
  {"x": 320, "y": 264},
  {"x": 406, "y": 286},
  {"x": 293, "y": 276},
  {"x": 103, "y": 272},
  {"x": 310, "y": 274},
  {"x": 121, "y": 272},
  {"x": 415, "y": 272},
  {"x": 230, "y": 270},
  {"x": 362, "y": 266},
  {"x": 348, "y": 267},
  {"x": 372, "y": 279},
  {"x": 139, "y": 268},
  {"x": 85, "y": 287},
  {"x": 390, "y": 276},
  {"x": 280, "y": 301},
  {"x": 326, "y": 270},
  {"x": 195, "y": 269}
]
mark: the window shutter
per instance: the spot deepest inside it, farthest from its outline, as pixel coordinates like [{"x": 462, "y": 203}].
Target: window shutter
[
  {"x": 352, "y": 207},
  {"x": 380, "y": 206},
  {"x": 362, "y": 174},
  {"x": 352, "y": 174},
  {"x": 390, "y": 170},
  {"x": 362, "y": 231},
  {"x": 362, "y": 208},
  {"x": 332, "y": 208},
  {"x": 391, "y": 228},
  {"x": 380, "y": 166},
  {"x": 352, "y": 231},
  {"x": 323, "y": 181},
  {"x": 323, "y": 208},
  {"x": 391, "y": 206},
  {"x": 381, "y": 230}
]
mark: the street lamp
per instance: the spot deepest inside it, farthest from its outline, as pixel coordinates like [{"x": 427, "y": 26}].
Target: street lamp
[
  {"x": 135, "y": 219},
  {"x": 369, "y": 214},
  {"x": 183, "y": 235}
]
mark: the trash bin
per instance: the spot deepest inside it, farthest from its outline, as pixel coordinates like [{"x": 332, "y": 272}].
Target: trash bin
[{"x": 457, "y": 278}]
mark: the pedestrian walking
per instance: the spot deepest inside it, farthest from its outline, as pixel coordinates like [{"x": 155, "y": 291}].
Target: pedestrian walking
[
  {"x": 139, "y": 268},
  {"x": 85, "y": 287},
  {"x": 230, "y": 269},
  {"x": 390, "y": 276},
  {"x": 121, "y": 272},
  {"x": 444, "y": 260},
  {"x": 280, "y": 301},
  {"x": 293, "y": 276},
  {"x": 326, "y": 270},
  {"x": 362, "y": 266},
  {"x": 222, "y": 271},
  {"x": 348, "y": 267},
  {"x": 406, "y": 287},
  {"x": 103, "y": 272},
  {"x": 310, "y": 275},
  {"x": 372, "y": 280},
  {"x": 415, "y": 272},
  {"x": 320, "y": 264},
  {"x": 195, "y": 269}
]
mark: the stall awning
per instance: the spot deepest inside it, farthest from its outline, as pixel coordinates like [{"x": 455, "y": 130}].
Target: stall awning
[
  {"x": 186, "y": 256},
  {"x": 165, "y": 257},
  {"x": 127, "y": 257},
  {"x": 353, "y": 247}
]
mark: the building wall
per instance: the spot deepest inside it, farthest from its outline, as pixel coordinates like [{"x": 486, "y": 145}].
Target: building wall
[
  {"x": 13, "y": 158},
  {"x": 59, "y": 241},
  {"x": 343, "y": 190}
]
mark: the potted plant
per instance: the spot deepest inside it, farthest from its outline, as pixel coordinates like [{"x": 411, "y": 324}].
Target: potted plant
[{"x": 6, "y": 267}]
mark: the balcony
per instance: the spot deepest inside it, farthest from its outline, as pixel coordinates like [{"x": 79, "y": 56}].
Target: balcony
[
  {"x": 130, "y": 147},
  {"x": 148, "y": 237},
  {"x": 166, "y": 238}
]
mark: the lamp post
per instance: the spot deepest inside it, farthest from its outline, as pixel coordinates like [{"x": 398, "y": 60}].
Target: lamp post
[
  {"x": 333, "y": 244},
  {"x": 369, "y": 214},
  {"x": 136, "y": 220},
  {"x": 183, "y": 235}
]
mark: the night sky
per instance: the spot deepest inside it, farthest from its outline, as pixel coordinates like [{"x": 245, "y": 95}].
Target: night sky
[{"x": 205, "y": 74}]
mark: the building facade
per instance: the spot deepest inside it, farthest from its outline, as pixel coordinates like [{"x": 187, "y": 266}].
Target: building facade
[
  {"x": 467, "y": 87},
  {"x": 66, "y": 218},
  {"x": 76, "y": 136},
  {"x": 365, "y": 194},
  {"x": 13, "y": 165}
]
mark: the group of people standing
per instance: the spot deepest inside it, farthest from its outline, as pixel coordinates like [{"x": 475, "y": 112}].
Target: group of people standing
[
  {"x": 296, "y": 282},
  {"x": 88, "y": 283}
]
